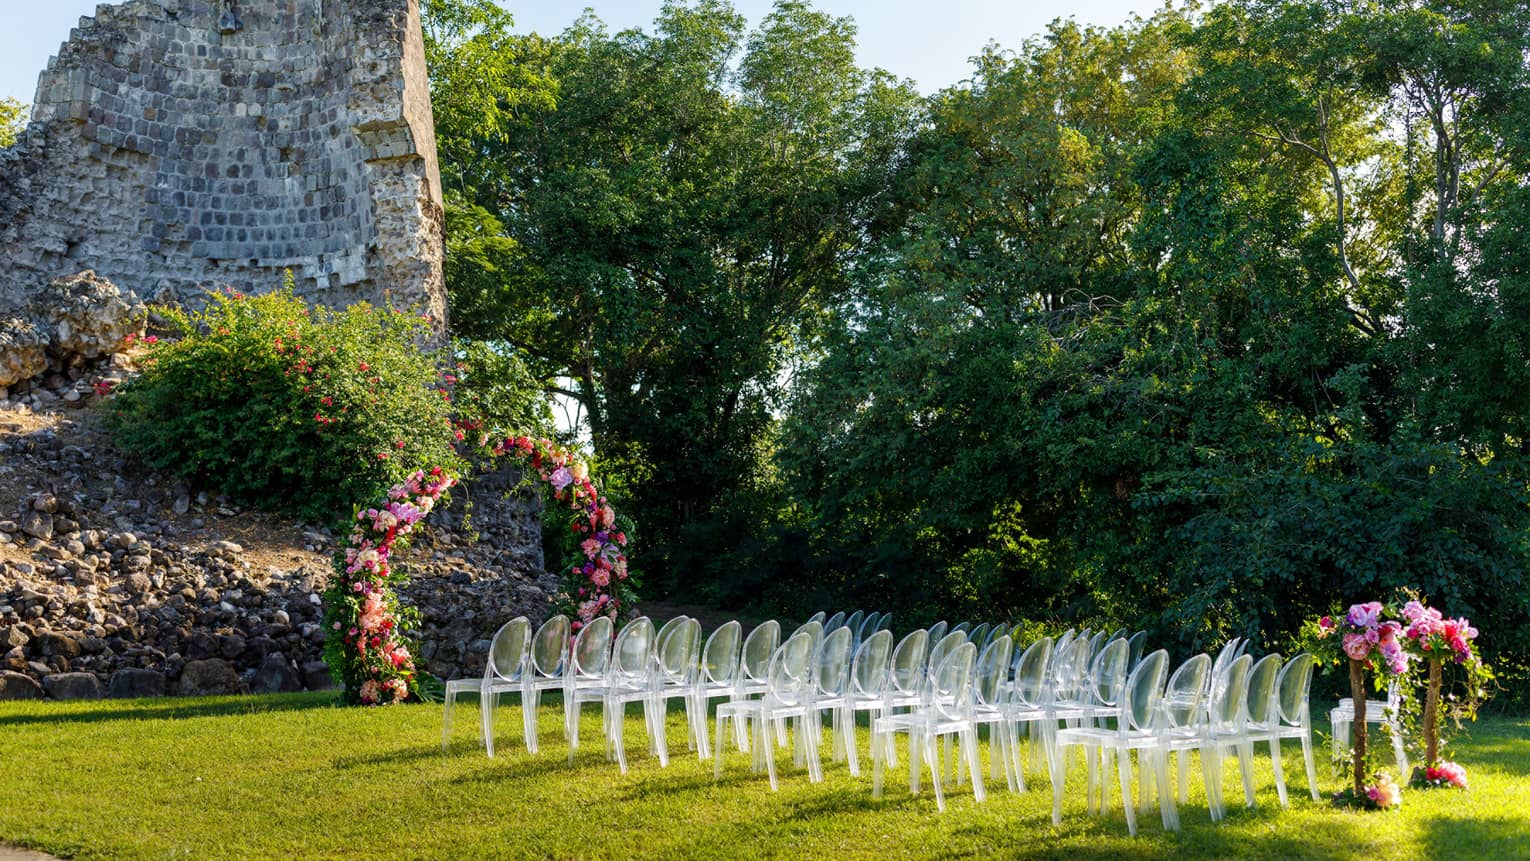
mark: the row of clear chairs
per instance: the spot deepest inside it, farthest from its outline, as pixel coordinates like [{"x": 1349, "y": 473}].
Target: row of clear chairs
[{"x": 1087, "y": 689}]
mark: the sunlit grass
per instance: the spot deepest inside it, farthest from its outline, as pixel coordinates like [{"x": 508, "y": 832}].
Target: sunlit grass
[{"x": 295, "y": 776}]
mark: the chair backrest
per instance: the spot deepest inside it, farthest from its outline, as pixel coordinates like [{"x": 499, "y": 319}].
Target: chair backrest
[
  {"x": 1096, "y": 643},
  {"x": 509, "y": 650},
  {"x": 937, "y": 631},
  {"x": 1143, "y": 697},
  {"x": 1117, "y": 634},
  {"x": 759, "y": 646},
  {"x": 1136, "y": 644},
  {"x": 886, "y": 622},
  {"x": 632, "y": 659},
  {"x": 1186, "y": 691},
  {"x": 790, "y": 671},
  {"x": 944, "y": 647},
  {"x": 818, "y": 617},
  {"x": 950, "y": 689},
  {"x": 592, "y": 648},
  {"x": 834, "y": 621},
  {"x": 1260, "y": 707},
  {"x": 873, "y": 662},
  {"x": 679, "y": 653},
  {"x": 1061, "y": 643},
  {"x": 907, "y": 673},
  {"x": 815, "y": 632},
  {"x": 1069, "y": 669},
  {"x": 668, "y": 630},
  {"x": 833, "y": 670},
  {"x": 1031, "y": 684},
  {"x": 1224, "y": 659},
  {"x": 993, "y": 672},
  {"x": 963, "y": 627},
  {"x": 853, "y": 622},
  {"x": 720, "y": 656},
  {"x": 869, "y": 625},
  {"x": 1108, "y": 672},
  {"x": 979, "y": 636},
  {"x": 1293, "y": 689},
  {"x": 549, "y": 647},
  {"x": 1228, "y": 695}
]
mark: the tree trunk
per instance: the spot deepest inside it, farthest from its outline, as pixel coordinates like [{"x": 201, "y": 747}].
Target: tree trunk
[
  {"x": 1432, "y": 714},
  {"x": 1358, "y": 691}
]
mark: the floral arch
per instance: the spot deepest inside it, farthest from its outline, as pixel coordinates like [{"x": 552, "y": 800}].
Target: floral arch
[{"x": 365, "y": 623}]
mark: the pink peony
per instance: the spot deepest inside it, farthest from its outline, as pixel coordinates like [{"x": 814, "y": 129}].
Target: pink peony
[
  {"x": 560, "y": 478},
  {"x": 373, "y": 613},
  {"x": 1364, "y": 615},
  {"x": 371, "y": 692},
  {"x": 601, "y": 577}
]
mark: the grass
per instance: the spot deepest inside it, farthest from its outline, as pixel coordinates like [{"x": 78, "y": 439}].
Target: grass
[{"x": 297, "y": 777}]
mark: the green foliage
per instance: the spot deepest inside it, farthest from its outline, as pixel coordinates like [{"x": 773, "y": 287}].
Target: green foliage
[
  {"x": 495, "y": 393},
  {"x": 288, "y": 408},
  {"x": 13, "y": 121}
]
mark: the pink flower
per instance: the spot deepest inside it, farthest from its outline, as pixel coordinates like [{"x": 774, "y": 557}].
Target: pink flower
[
  {"x": 1356, "y": 646},
  {"x": 1364, "y": 615},
  {"x": 560, "y": 478},
  {"x": 590, "y": 547},
  {"x": 1326, "y": 626},
  {"x": 373, "y": 613},
  {"x": 601, "y": 577},
  {"x": 371, "y": 692}
]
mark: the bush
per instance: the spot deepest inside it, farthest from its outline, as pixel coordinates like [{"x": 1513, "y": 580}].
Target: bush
[{"x": 288, "y": 408}]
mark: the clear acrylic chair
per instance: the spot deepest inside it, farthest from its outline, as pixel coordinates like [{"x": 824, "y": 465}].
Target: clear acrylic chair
[
  {"x": 978, "y": 636},
  {"x": 834, "y": 621},
  {"x": 1258, "y": 713},
  {"x": 1387, "y": 713},
  {"x": 718, "y": 675},
  {"x": 990, "y": 692},
  {"x": 964, "y": 627},
  {"x": 789, "y": 681},
  {"x": 509, "y": 653},
  {"x": 754, "y": 667},
  {"x": 869, "y": 674},
  {"x": 820, "y": 617},
  {"x": 677, "y": 657},
  {"x": 1292, "y": 719},
  {"x": 1136, "y": 644},
  {"x": 1181, "y": 715},
  {"x": 943, "y": 647},
  {"x": 1140, "y": 696},
  {"x": 937, "y": 631},
  {"x": 1029, "y": 706},
  {"x": 589, "y": 660},
  {"x": 854, "y": 622},
  {"x": 885, "y": 623},
  {"x": 546, "y": 672},
  {"x": 947, "y": 711},
  {"x": 906, "y": 677},
  {"x": 868, "y": 627},
  {"x": 631, "y": 678},
  {"x": 1219, "y": 718}
]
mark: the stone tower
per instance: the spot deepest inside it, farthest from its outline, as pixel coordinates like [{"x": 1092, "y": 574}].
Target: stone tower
[{"x": 180, "y": 145}]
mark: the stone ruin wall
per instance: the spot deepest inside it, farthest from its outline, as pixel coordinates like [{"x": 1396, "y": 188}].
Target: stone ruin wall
[{"x": 174, "y": 148}]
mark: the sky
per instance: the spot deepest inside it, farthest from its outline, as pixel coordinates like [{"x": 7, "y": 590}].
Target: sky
[{"x": 929, "y": 42}]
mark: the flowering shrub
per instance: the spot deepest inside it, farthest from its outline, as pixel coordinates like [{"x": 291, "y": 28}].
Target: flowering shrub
[
  {"x": 1382, "y": 794},
  {"x": 365, "y": 624},
  {"x": 1363, "y": 634},
  {"x": 286, "y": 407},
  {"x": 596, "y": 579}
]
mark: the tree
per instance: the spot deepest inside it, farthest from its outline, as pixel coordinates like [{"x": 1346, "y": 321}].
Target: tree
[
  {"x": 13, "y": 121},
  {"x": 661, "y": 237}
]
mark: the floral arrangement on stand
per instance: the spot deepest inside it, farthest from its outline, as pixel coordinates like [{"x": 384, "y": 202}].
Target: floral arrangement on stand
[
  {"x": 596, "y": 577},
  {"x": 1439, "y": 641},
  {"x": 364, "y": 621},
  {"x": 1371, "y": 644}
]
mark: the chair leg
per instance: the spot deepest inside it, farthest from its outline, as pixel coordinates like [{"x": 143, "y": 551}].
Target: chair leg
[
  {"x": 486, "y": 718},
  {"x": 1246, "y": 765},
  {"x": 811, "y": 730},
  {"x": 571, "y": 722},
  {"x": 446, "y": 717},
  {"x": 852, "y": 756},
  {"x": 717, "y": 753},
  {"x": 1124, "y": 766},
  {"x": 766, "y": 750},
  {"x": 1059, "y": 769},
  {"x": 655, "y": 712},
  {"x": 1280, "y": 774},
  {"x": 1184, "y": 776},
  {"x": 932, "y": 759},
  {"x": 618, "y": 732},
  {"x": 1166, "y": 806},
  {"x": 970, "y": 749},
  {"x": 1399, "y": 749},
  {"x": 530, "y": 699},
  {"x": 1311, "y": 768},
  {"x": 878, "y": 760},
  {"x": 1211, "y": 772}
]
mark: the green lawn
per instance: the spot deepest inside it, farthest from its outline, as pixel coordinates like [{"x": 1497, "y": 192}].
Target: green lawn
[{"x": 296, "y": 777}]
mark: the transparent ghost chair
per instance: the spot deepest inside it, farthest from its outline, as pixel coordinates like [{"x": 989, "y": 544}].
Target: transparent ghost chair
[
  {"x": 509, "y": 653},
  {"x": 869, "y": 674},
  {"x": 1182, "y": 714},
  {"x": 820, "y": 617},
  {"x": 1387, "y": 713},
  {"x": 630, "y": 678},
  {"x": 937, "y": 631},
  {"x": 1292, "y": 719},
  {"x": 834, "y": 621},
  {"x": 978, "y": 636},
  {"x": 963, "y": 627},
  {"x": 1218, "y": 718},
  {"x": 1098, "y": 697},
  {"x": 1136, "y": 644},
  {"x": 948, "y": 712},
  {"x": 717, "y": 676},
  {"x": 1261, "y": 715},
  {"x": 1228, "y": 727},
  {"x": 885, "y": 623},
  {"x": 868, "y": 627},
  {"x": 853, "y": 622},
  {"x": 1029, "y": 706},
  {"x": 789, "y": 680},
  {"x": 754, "y": 667},
  {"x": 830, "y": 680},
  {"x": 1140, "y": 695},
  {"x": 906, "y": 677},
  {"x": 589, "y": 660},
  {"x": 943, "y": 647},
  {"x": 990, "y": 692},
  {"x": 548, "y": 667},
  {"x": 677, "y": 668}
]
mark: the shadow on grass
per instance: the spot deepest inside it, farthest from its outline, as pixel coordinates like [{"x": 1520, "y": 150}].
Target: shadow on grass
[{"x": 168, "y": 708}]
